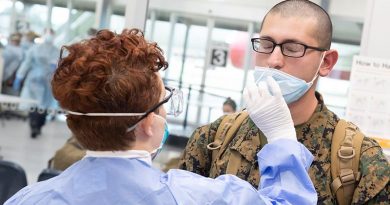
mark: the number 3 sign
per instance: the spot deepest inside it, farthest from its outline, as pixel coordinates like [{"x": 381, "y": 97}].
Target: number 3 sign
[{"x": 218, "y": 54}]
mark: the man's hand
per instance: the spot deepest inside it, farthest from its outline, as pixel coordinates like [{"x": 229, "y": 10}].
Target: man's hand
[{"x": 269, "y": 111}]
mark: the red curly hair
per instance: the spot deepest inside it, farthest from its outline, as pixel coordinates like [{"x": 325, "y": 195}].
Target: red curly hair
[{"x": 110, "y": 73}]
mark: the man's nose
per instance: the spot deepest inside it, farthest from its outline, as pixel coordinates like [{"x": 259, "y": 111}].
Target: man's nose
[{"x": 276, "y": 58}]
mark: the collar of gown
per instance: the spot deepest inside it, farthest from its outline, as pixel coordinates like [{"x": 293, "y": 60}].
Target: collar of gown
[{"x": 130, "y": 154}]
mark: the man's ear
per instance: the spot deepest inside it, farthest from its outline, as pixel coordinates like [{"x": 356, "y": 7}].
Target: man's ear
[
  {"x": 146, "y": 124},
  {"x": 329, "y": 61}
]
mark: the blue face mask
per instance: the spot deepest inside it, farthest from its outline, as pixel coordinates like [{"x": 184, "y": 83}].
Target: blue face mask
[
  {"x": 48, "y": 38},
  {"x": 163, "y": 140},
  {"x": 292, "y": 87}
]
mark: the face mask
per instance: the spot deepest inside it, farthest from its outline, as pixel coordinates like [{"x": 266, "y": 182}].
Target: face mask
[
  {"x": 292, "y": 87},
  {"x": 48, "y": 38},
  {"x": 157, "y": 151}
]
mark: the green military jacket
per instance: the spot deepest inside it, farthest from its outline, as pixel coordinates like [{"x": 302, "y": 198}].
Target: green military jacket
[{"x": 316, "y": 134}]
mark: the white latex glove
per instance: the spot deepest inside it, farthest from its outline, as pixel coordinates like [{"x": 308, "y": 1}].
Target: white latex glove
[{"x": 269, "y": 111}]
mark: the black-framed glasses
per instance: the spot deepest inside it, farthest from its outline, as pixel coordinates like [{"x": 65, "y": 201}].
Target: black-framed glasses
[
  {"x": 290, "y": 49},
  {"x": 173, "y": 100}
]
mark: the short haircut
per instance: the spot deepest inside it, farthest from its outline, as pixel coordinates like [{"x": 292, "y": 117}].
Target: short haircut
[
  {"x": 109, "y": 73},
  {"x": 306, "y": 9},
  {"x": 230, "y": 102}
]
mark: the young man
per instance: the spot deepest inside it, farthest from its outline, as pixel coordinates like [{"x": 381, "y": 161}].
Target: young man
[{"x": 294, "y": 48}]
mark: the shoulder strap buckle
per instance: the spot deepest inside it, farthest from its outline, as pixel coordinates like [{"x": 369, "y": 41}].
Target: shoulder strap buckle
[
  {"x": 347, "y": 177},
  {"x": 346, "y": 152},
  {"x": 213, "y": 146}
]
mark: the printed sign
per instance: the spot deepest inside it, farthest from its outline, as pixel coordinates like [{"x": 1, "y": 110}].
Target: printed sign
[
  {"x": 369, "y": 98},
  {"x": 218, "y": 53}
]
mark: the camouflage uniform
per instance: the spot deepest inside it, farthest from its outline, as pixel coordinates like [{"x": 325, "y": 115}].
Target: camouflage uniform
[{"x": 316, "y": 135}]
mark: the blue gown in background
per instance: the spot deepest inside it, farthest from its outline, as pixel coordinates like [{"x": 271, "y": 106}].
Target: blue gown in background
[
  {"x": 131, "y": 180},
  {"x": 12, "y": 58},
  {"x": 37, "y": 69}
]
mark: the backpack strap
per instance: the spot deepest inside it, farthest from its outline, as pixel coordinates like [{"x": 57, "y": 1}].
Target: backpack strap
[
  {"x": 345, "y": 156},
  {"x": 226, "y": 123},
  {"x": 225, "y": 133}
]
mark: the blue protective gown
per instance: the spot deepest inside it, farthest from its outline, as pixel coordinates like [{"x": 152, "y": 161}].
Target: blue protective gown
[
  {"x": 127, "y": 180},
  {"x": 12, "y": 58},
  {"x": 37, "y": 69}
]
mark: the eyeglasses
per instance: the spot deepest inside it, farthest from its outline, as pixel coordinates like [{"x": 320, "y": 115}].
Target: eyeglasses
[
  {"x": 173, "y": 101},
  {"x": 290, "y": 49}
]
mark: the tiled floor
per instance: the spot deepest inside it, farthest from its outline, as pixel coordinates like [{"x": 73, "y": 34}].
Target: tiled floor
[{"x": 33, "y": 154}]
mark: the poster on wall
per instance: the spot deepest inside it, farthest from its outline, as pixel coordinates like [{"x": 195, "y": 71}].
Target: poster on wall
[{"x": 368, "y": 103}]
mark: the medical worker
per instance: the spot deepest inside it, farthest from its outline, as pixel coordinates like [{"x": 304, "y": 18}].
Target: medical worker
[
  {"x": 37, "y": 69},
  {"x": 12, "y": 58},
  {"x": 28, "y": 40},
  {"x": 117, "y": 106}
]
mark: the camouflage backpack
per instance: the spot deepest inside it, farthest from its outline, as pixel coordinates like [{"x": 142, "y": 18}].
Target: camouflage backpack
[{"x": 345, "y": 153}]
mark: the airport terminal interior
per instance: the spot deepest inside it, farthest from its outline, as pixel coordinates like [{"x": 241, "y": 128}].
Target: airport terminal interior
[{"x": 207, "y": 45}]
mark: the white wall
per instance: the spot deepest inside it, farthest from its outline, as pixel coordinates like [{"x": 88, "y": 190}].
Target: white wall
[
  {"x": 353, "y": 10},
  {"x": 375, "y": 40}
]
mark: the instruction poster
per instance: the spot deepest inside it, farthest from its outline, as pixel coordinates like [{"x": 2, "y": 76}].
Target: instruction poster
[{"x": 369, "y": 98}]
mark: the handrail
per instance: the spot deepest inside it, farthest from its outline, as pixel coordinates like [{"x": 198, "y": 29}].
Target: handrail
[{"x": 200, "y": 90}]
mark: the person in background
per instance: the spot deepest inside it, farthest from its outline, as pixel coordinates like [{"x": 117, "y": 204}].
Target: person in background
[
  {"x": 294, "y": 48},
  {"x": 115, "y": 99},
  {"x": 71, "y": 152},
  {"x": 12, "y": 58},
  {"x": 37, "y": 70},
  {"x": 91, "y": 33},
  {"x": 28, "y": 40},
  {"x": 229, "y": 106}
]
